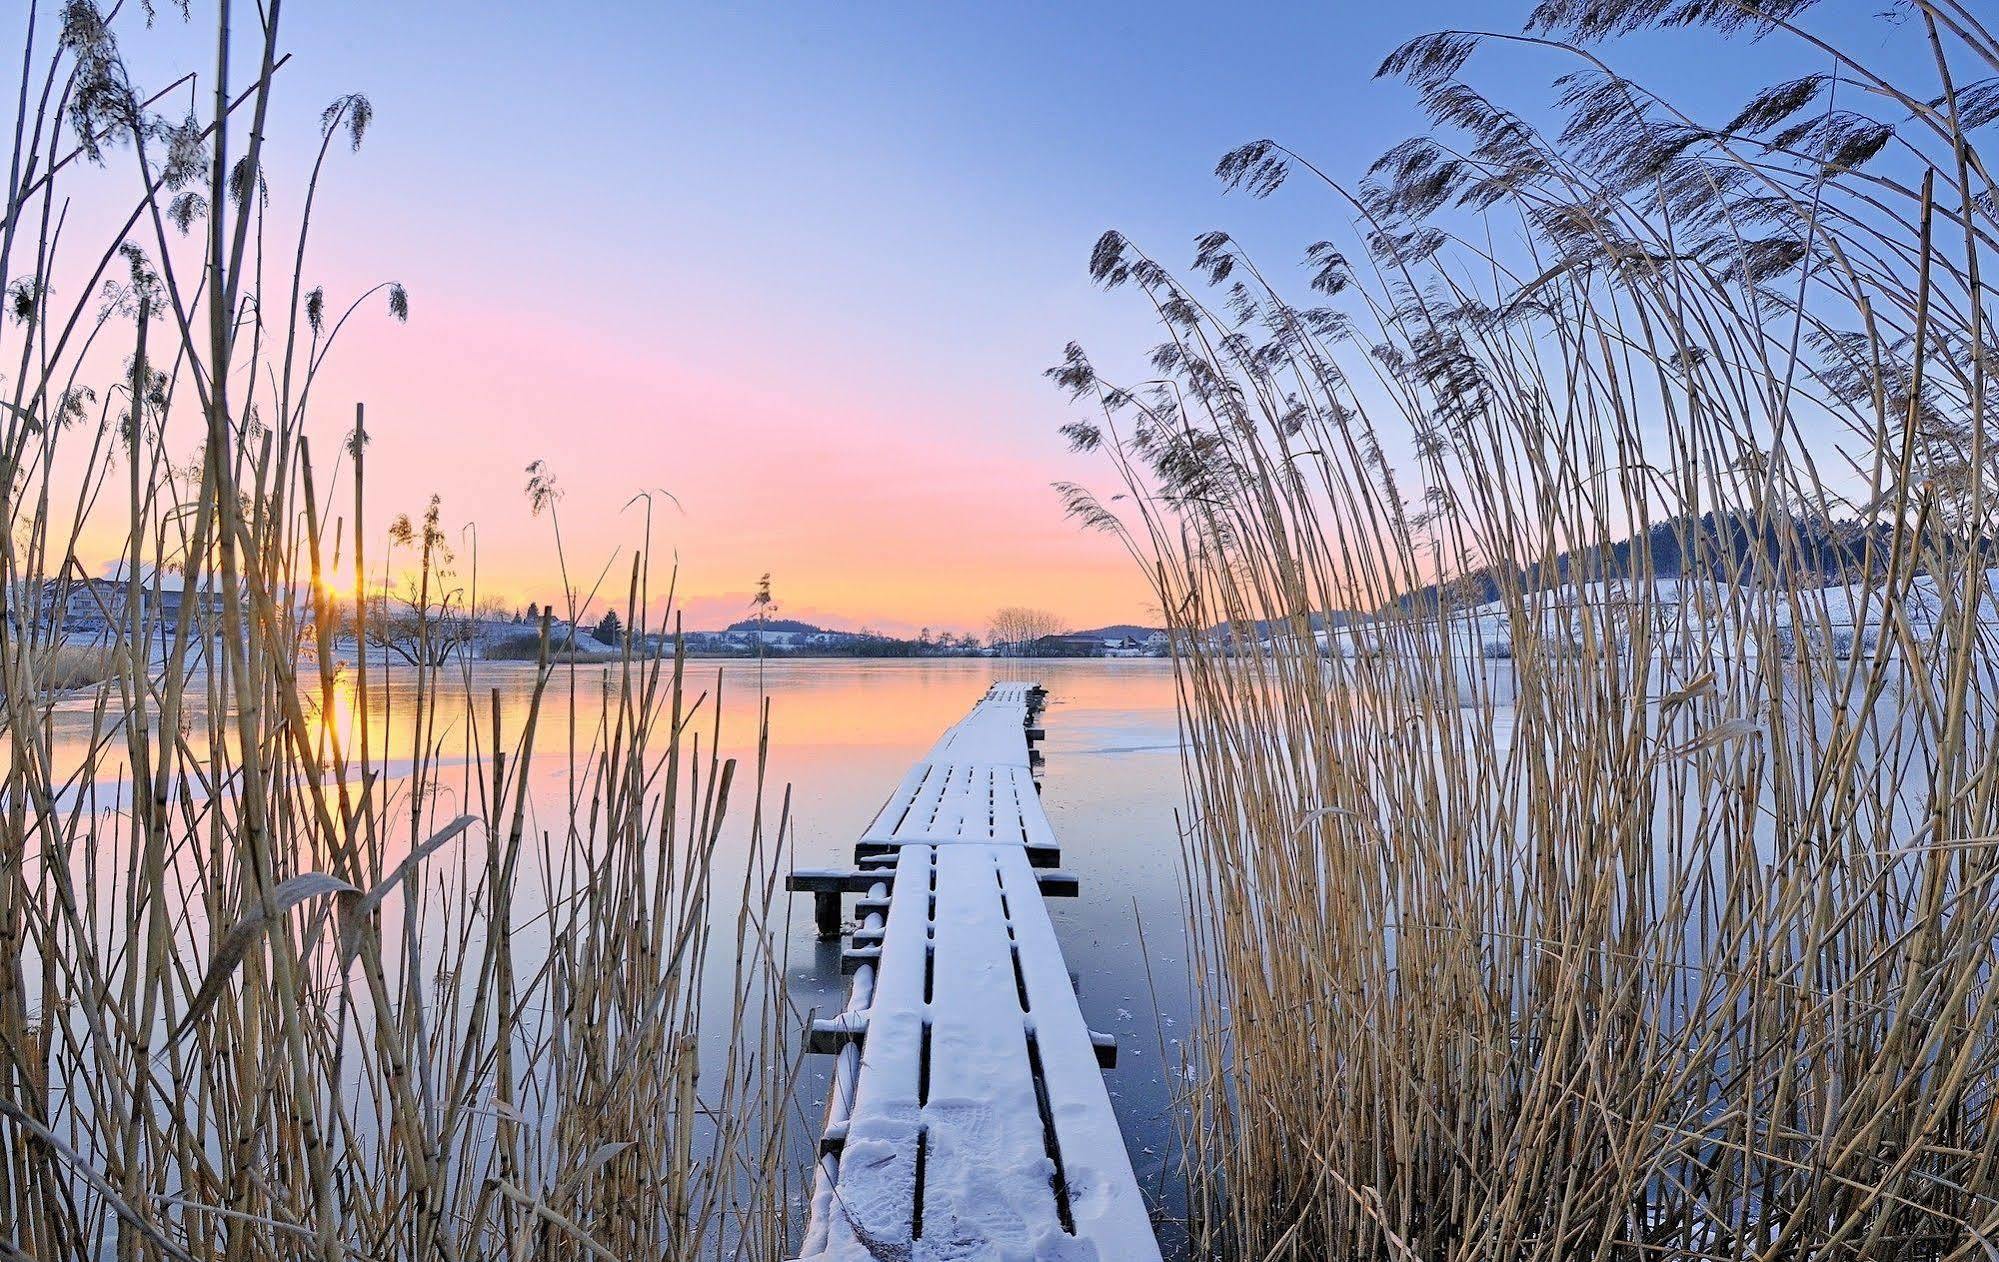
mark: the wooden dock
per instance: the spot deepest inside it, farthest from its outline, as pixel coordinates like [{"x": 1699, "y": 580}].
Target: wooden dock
[{"x": 967, "y": 1116}]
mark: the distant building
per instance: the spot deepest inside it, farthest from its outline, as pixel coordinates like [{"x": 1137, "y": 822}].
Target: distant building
[
  {"x": 1066, "y": 646},
  {"x": 95, "y": 608},
  {"x": 565, "y": 635}
]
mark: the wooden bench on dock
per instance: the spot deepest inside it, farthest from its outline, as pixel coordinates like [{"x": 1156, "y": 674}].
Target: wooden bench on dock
[{"x": 967, "y": 1116}]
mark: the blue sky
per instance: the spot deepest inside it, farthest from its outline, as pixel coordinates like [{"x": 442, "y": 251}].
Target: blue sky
[{"x": 802, "y": 265}]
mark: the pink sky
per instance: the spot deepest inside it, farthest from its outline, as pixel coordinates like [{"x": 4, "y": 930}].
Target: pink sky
[
  {"x": 802, "y": 270},
  {"x": 867, "y": 500}
]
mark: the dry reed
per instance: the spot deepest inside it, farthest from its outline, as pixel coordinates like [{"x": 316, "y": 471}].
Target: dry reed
[
  {"x": 1585, "y": 644},
  {"x": 79, "y": 666},
  {"x": 275, "y": 982}
]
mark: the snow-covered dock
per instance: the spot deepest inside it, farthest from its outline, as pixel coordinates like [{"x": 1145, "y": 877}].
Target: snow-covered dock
[{"x": 967, "y": 1116}]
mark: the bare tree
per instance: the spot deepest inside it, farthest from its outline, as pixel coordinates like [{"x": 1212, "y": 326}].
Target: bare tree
[
  {"x": 1014, "y": 629},
  {"x": 424, "y": 622},
  {"x": 493, "y": 609},
  {"x": 417, "y": 628}
]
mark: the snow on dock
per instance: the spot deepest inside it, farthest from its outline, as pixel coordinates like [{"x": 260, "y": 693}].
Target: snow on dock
[{"x": 967, "y": 1116}]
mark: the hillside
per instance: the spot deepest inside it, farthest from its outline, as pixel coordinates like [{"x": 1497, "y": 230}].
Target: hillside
[
  {"x": 1119, "y": 631},
  {"x": 1716, "y": 547},
  {"x": 775, "y": 624}
]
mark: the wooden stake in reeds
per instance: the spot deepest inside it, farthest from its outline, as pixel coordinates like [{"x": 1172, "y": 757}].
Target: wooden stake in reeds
[{"x": 1585, "y": 641}]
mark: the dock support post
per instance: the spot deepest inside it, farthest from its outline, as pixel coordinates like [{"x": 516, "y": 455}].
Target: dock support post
[{"x": 826, "y": 912}]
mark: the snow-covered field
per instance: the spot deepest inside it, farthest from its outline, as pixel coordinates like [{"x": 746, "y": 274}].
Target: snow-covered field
[{"x": 1675, "y": 617}]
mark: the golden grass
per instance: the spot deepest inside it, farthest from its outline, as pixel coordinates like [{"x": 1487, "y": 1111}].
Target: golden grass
[{"x": 80, "y": 666}]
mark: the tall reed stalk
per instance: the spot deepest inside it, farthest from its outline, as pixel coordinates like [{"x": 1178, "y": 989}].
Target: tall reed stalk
[
  {"x": 1585, "y": 642},
  {"x": 292, "y": 962}
]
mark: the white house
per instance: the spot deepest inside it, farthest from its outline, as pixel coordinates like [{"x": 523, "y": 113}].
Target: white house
[{"x": 96, "y": 607}]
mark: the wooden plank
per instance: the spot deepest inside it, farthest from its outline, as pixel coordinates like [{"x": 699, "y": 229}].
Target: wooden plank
[
  {"x": 954, "y": 803},
  {"x": 831, "y": 880},
  {"x": 987, "y": 1175},
  {"x": 874, "y": 1200},
  {"x": 1103, "y": 1193}
]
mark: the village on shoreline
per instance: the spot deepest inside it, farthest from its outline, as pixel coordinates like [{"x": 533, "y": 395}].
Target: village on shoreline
[{"x": 82, "y": 611}]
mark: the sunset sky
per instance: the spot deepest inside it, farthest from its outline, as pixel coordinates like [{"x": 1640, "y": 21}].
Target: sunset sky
[{"x": 800, "y": 266}]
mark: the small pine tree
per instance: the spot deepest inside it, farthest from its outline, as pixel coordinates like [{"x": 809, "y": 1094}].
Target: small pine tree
[{"x": 609, "y": 630}]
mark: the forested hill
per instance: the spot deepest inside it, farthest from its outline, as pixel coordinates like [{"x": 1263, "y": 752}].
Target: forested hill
[
  {"x": 1807, "y": 552},
  {"x": 1118, "y": 631},
  {"x": 773, "y": 625}
]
